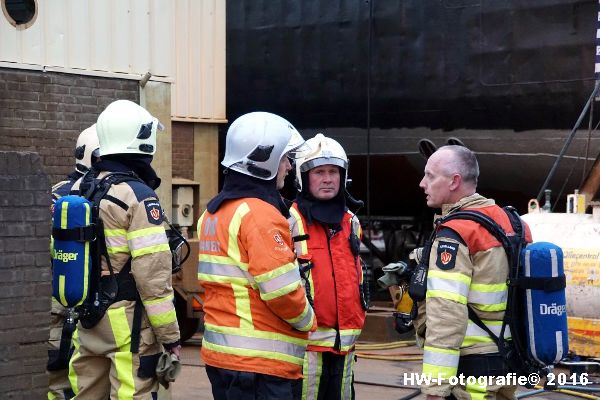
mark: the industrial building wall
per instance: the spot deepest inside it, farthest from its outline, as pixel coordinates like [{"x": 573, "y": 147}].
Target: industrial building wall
[
  {"x": 183, "y": 150},
  {"x": 25, "y": 268},
  {"x": 45, "y": 112}
]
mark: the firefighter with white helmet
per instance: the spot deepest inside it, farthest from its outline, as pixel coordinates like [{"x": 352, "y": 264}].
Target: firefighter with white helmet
[
  {"x": 119, "y": 347},
  {"x": 256, "y": 312},
  {"x": 327, "y": 235},
  {"x": 59, "y": 343}
]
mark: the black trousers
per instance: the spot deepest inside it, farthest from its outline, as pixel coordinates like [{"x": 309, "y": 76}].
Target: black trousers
[{"x": 239, "y": 385}]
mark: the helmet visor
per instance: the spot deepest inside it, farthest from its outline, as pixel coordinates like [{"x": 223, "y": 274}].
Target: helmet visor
[
  {"x": 317, "y": 162},
  {"x": 296, "y": 146}
]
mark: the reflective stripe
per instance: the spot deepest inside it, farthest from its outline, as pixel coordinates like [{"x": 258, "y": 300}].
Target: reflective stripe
[
  {"x": 305, "y": 320},
  {"x": 436, "y": 370},
  {"x": 490, "y": 307},
  {"x": 115, "y": 232},
  {"x": 64, "y": 214},
  {"x": 456, "y": 287},
  {"x": 452, "y": 289},
  {"x": 494, "y": 326},
  {"x": 224, "y": 273},
  {"x": 475, "y": 334},
  {"x": 487, "y": 298},
  {"x": 222, "y": 260},
  {"x": 228, "y": 330},
  {"x": 223, "y": 270},
  {"x": 275, "y": 349},
  {"x": 280, "y": 285},
  {"x": 298, "y": 230},
  {"x": 312, "y": 371},
  {"x": 124, "y": 356},
  {"x": 163, "y": 319},
  {"x": 74, "y": 357},
  {"x": 161, "y": 311},
  {"x": 450, "y": 276},
  {"x": 199, "y": 224},
  {"x": 446, "y": 295},
  {"x": 347, "y": 377},
  {"x": 441, "y": 357},
  {"x": 151, "y": 250},
  {"x": 325, "y": 337},
  {"x": 476, "y": 391},
  {"x": 322, "y": 337},
  {"x": 117, "y": 241},
  {"x": 242, "y": 306},
  {"x": 147, "y": 241},
  {"x": 233, "y": 249}
]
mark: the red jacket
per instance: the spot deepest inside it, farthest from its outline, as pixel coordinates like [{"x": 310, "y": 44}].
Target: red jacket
[{"x": 334, "y": 279}]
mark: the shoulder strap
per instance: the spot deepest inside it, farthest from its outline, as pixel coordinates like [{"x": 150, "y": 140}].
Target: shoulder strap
[
  {"x": 95, "y": 192},
  {"x": 512, "y": 246}
]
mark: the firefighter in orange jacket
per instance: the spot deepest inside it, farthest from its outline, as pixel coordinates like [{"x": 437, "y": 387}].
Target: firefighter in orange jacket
[
  {"x": 327, "y": 241},
  {"x": 256, "y": 312},
  {"x": 468, "y": 267}
]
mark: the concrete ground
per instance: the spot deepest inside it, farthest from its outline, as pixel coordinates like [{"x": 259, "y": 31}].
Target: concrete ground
[{"x": 374, "y": 378}]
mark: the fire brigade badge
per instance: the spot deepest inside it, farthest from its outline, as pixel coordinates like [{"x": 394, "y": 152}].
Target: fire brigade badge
[
  {"x": 446, "y": 255},
  {"x": 153, "y": 211}
]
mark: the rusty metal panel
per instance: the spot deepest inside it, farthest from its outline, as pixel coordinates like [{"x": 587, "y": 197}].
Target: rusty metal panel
[{"x": 199, "y": 92}]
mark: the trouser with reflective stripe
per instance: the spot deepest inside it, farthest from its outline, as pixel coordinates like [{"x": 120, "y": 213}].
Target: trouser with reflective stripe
[
  {"x": 103, "y": 365},
  {"x": 328, "y": 376},
  {"x": 59, "y": 387},
  {"x": 240, "y": 385},
  {"x": 475, "y": 366}
]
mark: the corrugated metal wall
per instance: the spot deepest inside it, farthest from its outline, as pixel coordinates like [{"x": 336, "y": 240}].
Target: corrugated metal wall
[
  {"x": 114, "y": 36},
  {"x": 199, "y": 92},
  {"x": 180, "y": 41}
]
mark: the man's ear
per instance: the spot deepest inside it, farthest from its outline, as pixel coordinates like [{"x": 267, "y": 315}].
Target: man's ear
[{"x": 455, "y": 182}]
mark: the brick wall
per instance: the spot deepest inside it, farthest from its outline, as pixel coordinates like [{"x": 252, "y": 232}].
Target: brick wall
[
  {"x": 25, "y": 269},
  {"x": 183, "y": 150},
  {"x": 44, "y": 112}
]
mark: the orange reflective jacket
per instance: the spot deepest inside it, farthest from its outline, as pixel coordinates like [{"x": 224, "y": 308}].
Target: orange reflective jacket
[
  {"x": 335, "y": 278},
  {"x": 256, "y": 311}
]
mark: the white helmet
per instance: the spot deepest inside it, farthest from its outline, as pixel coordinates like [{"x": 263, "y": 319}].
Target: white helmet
[
  {"x": 125, "y": 127},
  {"x": 86, "y": 147},
  {"x": 256, "y": 142},
  {"x": 321, "y": 150}
]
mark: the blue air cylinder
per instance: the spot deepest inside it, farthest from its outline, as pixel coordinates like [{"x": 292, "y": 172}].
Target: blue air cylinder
[
  {"x": 71, "y": 259},
  {"x": 545, "y": 302}
]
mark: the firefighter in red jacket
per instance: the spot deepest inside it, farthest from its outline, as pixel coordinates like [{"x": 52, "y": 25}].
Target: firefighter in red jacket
[{"x": 327, "y": 240}]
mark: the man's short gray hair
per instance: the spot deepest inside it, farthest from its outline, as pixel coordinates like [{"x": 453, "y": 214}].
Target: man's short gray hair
[{"x": 464, "y": 163}]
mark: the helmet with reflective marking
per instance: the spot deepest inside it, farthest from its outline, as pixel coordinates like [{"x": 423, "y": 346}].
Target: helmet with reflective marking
[
  {"x": 86, "y": 147},
  {"x": 125, "y": 127},
  {"x": 321, "y": 150},
  {"x": 257, "y": 141}
]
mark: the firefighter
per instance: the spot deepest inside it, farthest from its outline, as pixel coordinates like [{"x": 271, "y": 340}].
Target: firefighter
[
  {"x": 327, "y": 239},
  {"x": 468, "y": 267},
  {"x": 256, "y": 312},
  {"x": 86, "y": 153},
  {"x": 117, "y": 356}
]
